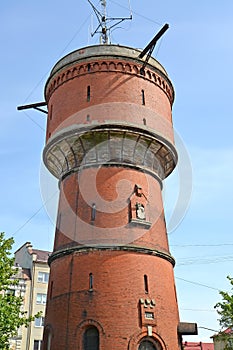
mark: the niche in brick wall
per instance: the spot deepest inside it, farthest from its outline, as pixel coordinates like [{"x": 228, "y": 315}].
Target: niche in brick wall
[{"x": 138, "y": 208}]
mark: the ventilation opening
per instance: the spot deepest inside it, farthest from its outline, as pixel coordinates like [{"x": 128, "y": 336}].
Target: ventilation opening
[
  {"x": 90, "y": 281},
  {"x": 143, "y": 98},
  {"x": 142, "y": 71},
  {"x": 88, "y": 93},
  {"x": 146, "y": 287},
  {"x": 93, "y": 212},
  {"x": 51, "y": 290}
]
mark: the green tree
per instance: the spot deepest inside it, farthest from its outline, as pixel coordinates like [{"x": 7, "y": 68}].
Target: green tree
[
  {"x": 225, "y": 310},
  {"x": 11, "y": 314}
]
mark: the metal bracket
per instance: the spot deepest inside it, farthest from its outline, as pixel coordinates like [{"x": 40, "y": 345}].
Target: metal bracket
[{"x": 34, "y": 106}]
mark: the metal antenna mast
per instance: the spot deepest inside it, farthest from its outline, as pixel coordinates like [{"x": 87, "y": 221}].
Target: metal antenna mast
[
  {"x": 103, "y": 20},
  {"x": 150, "y": 47}
]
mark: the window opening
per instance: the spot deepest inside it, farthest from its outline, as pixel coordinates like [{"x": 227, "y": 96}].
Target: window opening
[
  {"x": 146, "y": 287},
  {"x": 88, "y": 93},
  {"x": 142, "y": 71},
  {"x": 51, "y": 113},
  {"x": 43, "y": 277},
  {"x": 39, "y": 321},
  {"x": 51, "y": 290},
  {"x": 93, "y": 212},
  {"x": 37, "y": 345},
  {"x": 144, "y": 121},
  {"x": 90, "y": 281},
  {"x": 147, "y": 345},
  {"x": 91, "y": 339},
  {"x": 41, "y": 298},
  {"x": 88, "y": 118},
  {"x": 89, "y": 67},
  {"x": 143, "y": 98}
]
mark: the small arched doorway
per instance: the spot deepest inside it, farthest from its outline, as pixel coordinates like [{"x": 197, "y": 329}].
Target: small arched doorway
[
  {"x": 91, "y": 339},
  {"x": 148, "y": 344}
]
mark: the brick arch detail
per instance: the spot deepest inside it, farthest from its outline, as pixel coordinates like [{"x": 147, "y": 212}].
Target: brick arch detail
[
  {"x": 138, "y": 337},
  {"x": 48, "y": 329},
  {"x": 82, "y": 326},
  {"x": 108, "y": 66}
]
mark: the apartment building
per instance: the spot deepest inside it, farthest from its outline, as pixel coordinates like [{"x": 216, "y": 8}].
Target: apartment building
[{"x": 33, "y": 275}]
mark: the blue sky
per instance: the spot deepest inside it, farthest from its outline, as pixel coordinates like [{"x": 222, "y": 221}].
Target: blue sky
[{"x": 197, "y": 52}]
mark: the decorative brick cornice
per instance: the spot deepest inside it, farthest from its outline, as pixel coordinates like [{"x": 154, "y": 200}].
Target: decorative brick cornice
[
  {"x": 150, "y": 73},
  {"x": 96, "y": 146},
  {"x": 125, "y": 248}
]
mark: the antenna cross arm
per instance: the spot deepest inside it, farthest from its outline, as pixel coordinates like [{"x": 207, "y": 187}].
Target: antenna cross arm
[{"x": 34, "y": 106}]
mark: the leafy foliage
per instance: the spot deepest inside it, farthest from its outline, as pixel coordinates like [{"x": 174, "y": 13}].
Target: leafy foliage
[
  {"x": 225, "y": 310},
  {"x": 11, "y": 314}
]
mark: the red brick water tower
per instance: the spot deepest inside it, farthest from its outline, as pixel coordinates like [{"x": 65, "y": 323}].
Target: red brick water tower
[{"x": 110, "y": 143}]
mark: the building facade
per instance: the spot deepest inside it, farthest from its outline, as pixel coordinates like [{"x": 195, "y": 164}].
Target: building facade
[
  {"x": 224, "y": 340},
  {"x": 110, "y": 143},
  {"x": 198, "y": 346},
  {"x": 33, "y": 275}
]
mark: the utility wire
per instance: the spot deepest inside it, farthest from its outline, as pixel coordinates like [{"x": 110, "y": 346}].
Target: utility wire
[
  {"x": 201, "y": 245},
  {"x": 136, "y": 13},
  {"x": 31, "y": 217},
  {"x": 196, "y": 283}
]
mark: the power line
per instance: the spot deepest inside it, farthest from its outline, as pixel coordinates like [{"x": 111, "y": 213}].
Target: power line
[
  {"x": 201, "y": 245},
  {"x": 196, "y": 283},
  {"x": 204, "y": 260},
  {"x": 32, "y": 216},
  {"x": 202, "y": 310},
  {"x": 136, "y": 13}
]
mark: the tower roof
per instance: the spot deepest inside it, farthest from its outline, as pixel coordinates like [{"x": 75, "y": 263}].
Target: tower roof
[{"x": 88, "y": 52}]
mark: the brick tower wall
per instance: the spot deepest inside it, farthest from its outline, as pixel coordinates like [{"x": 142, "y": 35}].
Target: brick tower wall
[{"x": 110, "y": 143}]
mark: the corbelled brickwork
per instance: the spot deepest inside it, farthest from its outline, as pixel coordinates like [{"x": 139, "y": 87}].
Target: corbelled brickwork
[{"x": 110, "y": 143}]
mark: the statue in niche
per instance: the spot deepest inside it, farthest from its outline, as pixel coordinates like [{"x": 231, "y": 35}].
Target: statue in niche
[{"x": 140, "y": 211}]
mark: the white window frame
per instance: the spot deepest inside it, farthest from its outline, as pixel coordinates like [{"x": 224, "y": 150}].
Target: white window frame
[
  {"x": 40, "y": 344},
  {"x": 41, "y": 298},
  {"x": 39, "y": 321},
  {"x": 43, "y": 277}
]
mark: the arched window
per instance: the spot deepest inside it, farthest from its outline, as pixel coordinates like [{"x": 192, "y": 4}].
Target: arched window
[
  {"x": 147, "y": 345},
  {"x": 91, "y": 339},
  {"x": 47, "y": 338}
]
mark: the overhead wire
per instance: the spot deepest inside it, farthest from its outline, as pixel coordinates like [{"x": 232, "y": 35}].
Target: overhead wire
[
  {"x": 197, "y": 283},
  {"x": 33, "y": 215},
  {"x": 136, "y": 13}
]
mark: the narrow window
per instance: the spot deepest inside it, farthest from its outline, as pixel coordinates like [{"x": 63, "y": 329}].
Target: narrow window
[
  {"x": 143, "y": 97},
  {"x": 88, "y": 93},
  {"x": 144, "y": 121},
  {"x": 89, "y": 67},
  {"x": 91, "y": 339},
  {"x": 47, "y": 339},
  {"x": 51, "y": 113},
  {"x": 59, "y": 221},
  {"x": 146, "y": 284},
  {"x": 51, "y": 290},
  {"x": 90, "y": 281},
  {"x": 93, "y": 212},
  {"x": 142, "y": 71},
  {"x": 88, "y": 118},
  {"x": 37, "y": 345}
]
